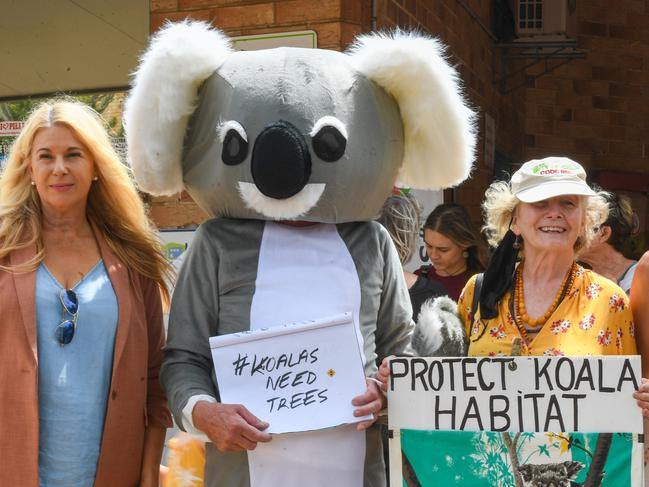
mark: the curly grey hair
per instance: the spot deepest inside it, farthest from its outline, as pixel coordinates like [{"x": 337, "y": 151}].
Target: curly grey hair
[
  {"x": 500, "y": 204},
  {"x": 401, "y": 216}
]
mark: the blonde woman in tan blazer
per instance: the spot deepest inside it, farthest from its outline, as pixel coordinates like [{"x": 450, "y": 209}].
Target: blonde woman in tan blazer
[{"x": 81, "y": 283}]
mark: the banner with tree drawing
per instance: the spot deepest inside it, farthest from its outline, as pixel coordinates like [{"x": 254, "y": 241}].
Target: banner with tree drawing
[{"x": 515, "y": 421}]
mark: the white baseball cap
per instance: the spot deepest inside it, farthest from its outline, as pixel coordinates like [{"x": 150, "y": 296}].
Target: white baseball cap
[{"x": 540, "y": 179}]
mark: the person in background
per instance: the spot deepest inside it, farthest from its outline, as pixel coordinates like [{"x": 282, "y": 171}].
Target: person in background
[
  {"x": 401, "y": 216},
  {"x": 605, "y": 253},
  {"x": 640, "y": 308},
  {"x": 82, "y": 280},
  {"x": 454, "y": 247}
]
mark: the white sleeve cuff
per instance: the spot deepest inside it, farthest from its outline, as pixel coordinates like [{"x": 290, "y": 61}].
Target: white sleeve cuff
[{"x": 188, "y": 423}]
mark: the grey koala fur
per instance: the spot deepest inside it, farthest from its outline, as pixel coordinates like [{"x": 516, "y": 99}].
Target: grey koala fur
[{"x": 439, "y": 331}]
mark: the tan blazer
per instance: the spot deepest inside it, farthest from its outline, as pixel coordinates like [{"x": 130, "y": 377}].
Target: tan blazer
[{"x": 135, "y": 397}]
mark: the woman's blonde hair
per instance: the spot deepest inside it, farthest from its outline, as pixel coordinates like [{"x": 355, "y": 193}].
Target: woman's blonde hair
[
  {"x": 500, "y": 204},
  {"x": 114, "y": 205}
]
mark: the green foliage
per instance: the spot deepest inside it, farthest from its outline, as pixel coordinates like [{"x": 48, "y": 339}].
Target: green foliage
[
  {"x": 17, "y": 110},
  {"x": 20, "y": 110}
]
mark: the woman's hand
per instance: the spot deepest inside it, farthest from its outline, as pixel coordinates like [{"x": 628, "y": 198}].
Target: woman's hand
[
  {"x": 642, "y": 397},
  {"x": 384, "y": 373},
  {"x": 372, "y": 401}
]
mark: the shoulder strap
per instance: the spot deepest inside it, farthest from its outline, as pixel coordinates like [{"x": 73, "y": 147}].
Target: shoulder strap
[{"x": 476, "y": 295}]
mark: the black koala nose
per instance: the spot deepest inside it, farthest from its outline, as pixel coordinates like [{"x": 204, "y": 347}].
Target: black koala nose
[{"x": 281, "y": 162}]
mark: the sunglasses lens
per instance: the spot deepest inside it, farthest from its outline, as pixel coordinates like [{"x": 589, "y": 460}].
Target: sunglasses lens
[
  {"x": 65, "y": 332},
  {"x": 69, "y": 300}
]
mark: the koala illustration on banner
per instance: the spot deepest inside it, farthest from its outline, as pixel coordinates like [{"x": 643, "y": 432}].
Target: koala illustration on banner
[
  {"x": 550, "y": 474},
  {"x": 291, "y": 152}
]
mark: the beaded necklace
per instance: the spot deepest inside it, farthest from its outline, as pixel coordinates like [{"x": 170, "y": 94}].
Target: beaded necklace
[{"x": 522, "y": 318}]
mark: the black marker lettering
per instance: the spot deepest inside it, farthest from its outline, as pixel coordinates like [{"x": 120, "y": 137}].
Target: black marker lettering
[{"x": 499, "y": 413}]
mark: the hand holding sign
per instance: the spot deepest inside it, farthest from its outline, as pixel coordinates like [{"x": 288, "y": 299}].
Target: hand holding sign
[
  {"x": 370, "y": 402},
  {"x": 230, "y": 427}
]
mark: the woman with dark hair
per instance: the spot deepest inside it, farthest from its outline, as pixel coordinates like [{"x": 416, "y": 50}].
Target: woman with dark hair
[
  {"x": 454, "y": 247},
  {"x": 605, "y": 255}
]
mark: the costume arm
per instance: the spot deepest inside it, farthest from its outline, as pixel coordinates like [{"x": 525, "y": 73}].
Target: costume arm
[
  {"x": 394, "y": 325},
  {"x": 187, "y": 369}
]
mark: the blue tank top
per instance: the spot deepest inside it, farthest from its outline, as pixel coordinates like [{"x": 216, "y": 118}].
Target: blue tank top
[{"x": 73, "y": 379}]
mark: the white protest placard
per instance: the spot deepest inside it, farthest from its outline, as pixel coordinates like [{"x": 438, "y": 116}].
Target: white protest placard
[
  {"x": 296, "y": 377},
  {"x": 517, "y": 394}
]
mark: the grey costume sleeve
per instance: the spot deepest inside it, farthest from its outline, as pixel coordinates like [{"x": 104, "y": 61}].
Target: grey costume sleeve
[
  {"x": 187, "y": 368},
  {"x": 394, "y": 325}
]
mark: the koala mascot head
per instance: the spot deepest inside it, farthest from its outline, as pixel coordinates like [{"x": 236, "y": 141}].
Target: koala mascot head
[{"x": 295, "y": 134}]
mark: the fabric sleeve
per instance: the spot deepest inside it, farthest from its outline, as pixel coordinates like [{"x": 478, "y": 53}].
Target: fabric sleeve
[
  {"x": 156, "y": 403},
  {"x": 394, "y": 327},
  {"x": 464, "y": 304},
  {"x": 188, "y": 421},
  {"x": 187, "y": 368}
]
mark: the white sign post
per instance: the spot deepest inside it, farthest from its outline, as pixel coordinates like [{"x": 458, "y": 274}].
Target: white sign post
[{"x": 297, "y": 377}]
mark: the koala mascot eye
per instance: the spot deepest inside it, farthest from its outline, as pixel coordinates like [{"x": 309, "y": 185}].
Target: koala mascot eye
[
  {"x": 329, "y": 144},
  {"x": 235, "y": 143},
  {"x": 329, "y": 139}
]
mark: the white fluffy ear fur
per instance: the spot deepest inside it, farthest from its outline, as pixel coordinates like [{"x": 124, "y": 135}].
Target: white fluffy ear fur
[
  {"x": 438, "y": 125},
  {"x": 180, "y": 57}
]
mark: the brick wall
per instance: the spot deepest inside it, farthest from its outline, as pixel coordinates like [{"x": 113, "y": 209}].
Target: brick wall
[{"x": 596, "y": 110}]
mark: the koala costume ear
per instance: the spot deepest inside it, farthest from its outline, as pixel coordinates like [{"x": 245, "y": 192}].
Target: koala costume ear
[
  {"x": 438, "y": 126},
  {"x": 180, "y": 57}
]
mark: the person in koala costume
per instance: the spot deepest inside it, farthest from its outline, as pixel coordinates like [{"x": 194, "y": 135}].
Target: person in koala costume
[{"x": 292, "y": 153}]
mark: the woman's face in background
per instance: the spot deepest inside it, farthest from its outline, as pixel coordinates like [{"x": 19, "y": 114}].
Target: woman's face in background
[{"x": 445, "y": 255}]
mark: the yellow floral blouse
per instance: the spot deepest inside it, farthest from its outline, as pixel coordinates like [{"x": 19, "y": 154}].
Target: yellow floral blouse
[{"x": 593, "y": 319}]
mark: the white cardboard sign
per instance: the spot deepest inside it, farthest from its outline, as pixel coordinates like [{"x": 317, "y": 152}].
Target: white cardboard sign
[
  {"x": 534, "y": 394},
  {"x": 296, "y": 377}
]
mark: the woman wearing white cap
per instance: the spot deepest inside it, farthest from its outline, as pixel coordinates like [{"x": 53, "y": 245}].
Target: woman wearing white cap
[
  {"x": 547, "y": 304},
  {"x": 534, "y": 298}
]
